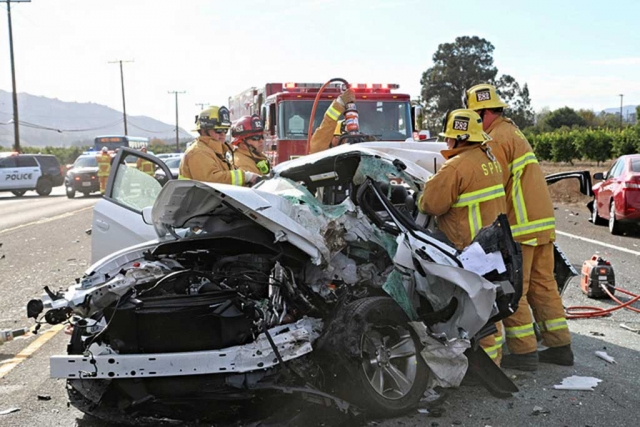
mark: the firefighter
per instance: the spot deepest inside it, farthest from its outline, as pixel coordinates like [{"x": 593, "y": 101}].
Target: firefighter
[
  {"x": 104, "y": 168},
  {"x": 209, "y": 158},
  {"x": 532, "y": 222},
  {"x": 467, "y": 192},
  {"x": 248, "y": 139},
  {"x": 145, "y": 165},
  {"x": 322, "y": 138}
]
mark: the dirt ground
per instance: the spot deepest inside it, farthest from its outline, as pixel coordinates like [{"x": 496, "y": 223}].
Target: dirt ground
[{"x": 568, "y": 192}]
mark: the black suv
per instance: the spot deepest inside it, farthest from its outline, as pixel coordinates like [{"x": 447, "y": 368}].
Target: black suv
[
  {"x": 83, "y": 176},
  {"x": 20, "y": 173}
]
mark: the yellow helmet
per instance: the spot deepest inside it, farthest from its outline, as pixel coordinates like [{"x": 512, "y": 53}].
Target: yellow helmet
[
  {"x": 213, "y": 118},
  {"x": 339, "y": 130},
  {"x": 463, "y": 125},
  {"x": 482, "y": 97}
]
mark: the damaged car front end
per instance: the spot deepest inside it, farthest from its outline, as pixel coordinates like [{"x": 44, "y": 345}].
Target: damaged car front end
[{"x": 322, "y": 281}]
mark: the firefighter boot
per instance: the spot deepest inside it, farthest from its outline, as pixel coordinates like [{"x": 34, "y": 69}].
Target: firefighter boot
[
  {"x": 557, "y": 355},
  {"x": 521, "y": 362}
]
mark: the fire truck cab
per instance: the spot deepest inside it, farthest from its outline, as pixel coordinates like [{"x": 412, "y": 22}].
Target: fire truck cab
[{"x": 286, "y": 110}]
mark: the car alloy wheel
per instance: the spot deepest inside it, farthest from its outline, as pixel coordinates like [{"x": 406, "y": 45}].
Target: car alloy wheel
[{"x": 614, "y": 225}]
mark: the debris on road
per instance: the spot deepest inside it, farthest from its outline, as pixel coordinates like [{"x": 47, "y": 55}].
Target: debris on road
[
  {"x": 537, "y": 410},
  {"x": 629, "y": 328},
  {"x": 604, "y": 356},
  {"x": 9, "y": 411},
  {"x": 596, "y": 334},
  {"x": 578, "y": 383},
  {"x": 44, "y": 397},
  {"x": 88, "y": 231},
  {"x": 9, "y": 334}
]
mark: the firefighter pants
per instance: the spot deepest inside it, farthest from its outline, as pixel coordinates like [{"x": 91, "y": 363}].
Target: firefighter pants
[
  {"x": 103, "y": 183},
  {"x": 492, "y": 344},
  {"x": 540, "y": 295}
]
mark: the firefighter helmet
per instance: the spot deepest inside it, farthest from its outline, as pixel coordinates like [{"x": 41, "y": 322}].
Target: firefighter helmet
[
  {"x": 105, "y": 150},
  {"x": 480, "y": 97},
  {"x": 463, "y": 125},
  {"x": 340, "y": 128},
  {"x": 213, "y": 118},
  {"x": 247, "y": 126}
]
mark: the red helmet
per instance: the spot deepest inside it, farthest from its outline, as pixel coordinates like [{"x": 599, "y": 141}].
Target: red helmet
[{"x": 247, "y": 126}]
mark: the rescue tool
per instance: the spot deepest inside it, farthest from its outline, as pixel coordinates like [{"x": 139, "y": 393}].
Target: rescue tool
[{"x": 597, "y": 273}]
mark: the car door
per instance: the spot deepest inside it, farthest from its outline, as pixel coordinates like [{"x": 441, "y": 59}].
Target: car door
[
  {"x": 608, "y": 187},
  {"x": 117, "y": 218},
  {"x": 8, "y": 170},
  {"x": 29, "y": 171}
]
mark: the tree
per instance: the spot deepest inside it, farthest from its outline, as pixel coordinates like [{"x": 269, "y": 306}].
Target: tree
[
  {"x": 456, "y": 67},
  {"x": 517, "y": 99},
  {"x": 590, "y": 118},
  {"x": 564, "y": 117},
  {"x": 460, "y": 65}
]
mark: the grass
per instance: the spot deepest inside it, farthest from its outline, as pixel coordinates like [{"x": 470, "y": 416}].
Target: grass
[{"x": 568, "y": 192}]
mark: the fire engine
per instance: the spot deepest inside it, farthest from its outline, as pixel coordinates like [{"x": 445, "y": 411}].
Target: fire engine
[{"x": 286, "y": 110}]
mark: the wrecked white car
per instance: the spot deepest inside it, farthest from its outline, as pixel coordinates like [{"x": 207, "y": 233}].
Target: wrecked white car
[{"x": 321, "y": 281}]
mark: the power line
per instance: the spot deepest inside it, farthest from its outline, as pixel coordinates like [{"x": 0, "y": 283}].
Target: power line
[{"x": 40, "y": 127}]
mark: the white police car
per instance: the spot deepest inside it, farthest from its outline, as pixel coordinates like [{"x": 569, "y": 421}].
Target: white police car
[{"x": 20, "y": 173}]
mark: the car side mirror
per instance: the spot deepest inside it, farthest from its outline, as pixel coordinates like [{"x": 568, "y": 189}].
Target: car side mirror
[
  {"x": 600, "y": 176},
  {"x": 146, "y": 215}
]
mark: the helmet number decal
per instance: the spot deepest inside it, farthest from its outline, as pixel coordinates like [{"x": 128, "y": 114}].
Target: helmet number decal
[
  {"x": 483, "y": 95},
  {"x": 461, "y": 125}
]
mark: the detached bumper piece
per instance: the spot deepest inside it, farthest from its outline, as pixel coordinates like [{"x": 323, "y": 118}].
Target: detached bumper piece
[{"x": 292, "y": 342}]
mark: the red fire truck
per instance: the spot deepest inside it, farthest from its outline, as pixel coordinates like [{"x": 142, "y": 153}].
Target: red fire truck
[{"x": 286, "y": 109}]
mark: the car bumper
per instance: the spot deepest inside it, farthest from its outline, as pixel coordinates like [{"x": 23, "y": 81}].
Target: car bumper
[{"x": 84, "y": 185}]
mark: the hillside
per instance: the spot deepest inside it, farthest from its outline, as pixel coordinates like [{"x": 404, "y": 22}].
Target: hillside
[{"x": 82, "y": 118}]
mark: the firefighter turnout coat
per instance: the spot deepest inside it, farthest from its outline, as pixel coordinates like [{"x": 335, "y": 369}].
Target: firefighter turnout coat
[
  {"x": 250, "y": 160},
  {"x": 209, "y": 160},
  {"x": 321, "y": 139},
  {"x": 532, "y": 221},
  {"x": 466, "y": 194}
]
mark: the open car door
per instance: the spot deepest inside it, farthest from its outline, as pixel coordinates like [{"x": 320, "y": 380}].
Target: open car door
[{"x": 117, "y": 218}]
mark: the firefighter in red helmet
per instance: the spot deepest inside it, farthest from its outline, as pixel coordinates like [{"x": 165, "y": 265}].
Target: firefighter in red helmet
[{"x": 248, "y": 141}]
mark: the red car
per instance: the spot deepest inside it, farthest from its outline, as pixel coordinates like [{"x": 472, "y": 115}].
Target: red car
[{"x": 617, "y": 196}]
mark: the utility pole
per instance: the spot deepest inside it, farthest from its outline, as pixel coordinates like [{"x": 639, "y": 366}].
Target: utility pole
[
  {"x": 621, "y": 96},
  {"x": 202, "y": 104},
  {"x": 176, "y": 92},
  {"x": 124, "y": 104},
  {"x": 16, "y": 121}
]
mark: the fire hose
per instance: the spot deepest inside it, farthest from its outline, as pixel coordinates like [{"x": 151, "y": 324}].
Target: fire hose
[{"x": 586, "y": 312}]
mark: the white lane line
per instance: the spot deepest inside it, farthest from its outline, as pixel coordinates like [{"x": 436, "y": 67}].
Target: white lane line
[
  {"x": 597, "y": 242},
  {"x": 45, "y": 220}
]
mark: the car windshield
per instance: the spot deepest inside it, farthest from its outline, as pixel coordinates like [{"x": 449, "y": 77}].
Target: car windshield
[
  {"x": 85, "y": 162},
  {"x": 386, "y": 120},
  {"x": 635, "y": 165}
]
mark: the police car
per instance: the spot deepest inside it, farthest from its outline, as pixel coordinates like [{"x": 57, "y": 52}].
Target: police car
[{"x": 20, "y": 173}]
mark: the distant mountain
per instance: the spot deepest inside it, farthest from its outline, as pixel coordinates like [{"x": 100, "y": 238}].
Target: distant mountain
[
  {"x": 87, "y": 120},
  {"x": 626, "y": 109}
]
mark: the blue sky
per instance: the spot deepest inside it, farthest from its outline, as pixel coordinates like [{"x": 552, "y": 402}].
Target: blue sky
[{"x": 581, "y": 54}]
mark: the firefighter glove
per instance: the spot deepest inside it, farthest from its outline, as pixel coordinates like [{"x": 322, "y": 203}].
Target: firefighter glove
[{"x": 346, "y": 97}]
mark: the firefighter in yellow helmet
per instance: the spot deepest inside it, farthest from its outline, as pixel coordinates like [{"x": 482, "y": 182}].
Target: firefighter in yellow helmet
[
  {"x": 209, "y": 158},
  {"x": 532, "y": 222},
  {"x": 322, "y": 138},
  {"x": 104, "y": 168},
  {"x": 248, "y": 140},
  {"x": 467, "y": 193},
  {"x": 145, "y": 165}
]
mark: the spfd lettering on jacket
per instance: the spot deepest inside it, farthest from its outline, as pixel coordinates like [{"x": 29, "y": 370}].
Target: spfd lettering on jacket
[
  {"x": 490, "y": 168},
  {"x": 17, "y": 176}
]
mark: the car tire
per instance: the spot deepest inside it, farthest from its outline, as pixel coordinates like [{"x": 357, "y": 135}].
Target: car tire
[
  {"x": 595, "y": 218},
  {"x": 18, "y": 193},
  {"x": 71, "y": 192},
  {"x": 615, "y": 227},
  {"x": 385, "y": 384},
  {"x": 44, "y": 187}
]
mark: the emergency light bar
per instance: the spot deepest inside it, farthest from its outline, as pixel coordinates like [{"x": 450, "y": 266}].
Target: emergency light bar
[
  {"x": 375, "y": 86},
  {"x": 292, "y": 86}
]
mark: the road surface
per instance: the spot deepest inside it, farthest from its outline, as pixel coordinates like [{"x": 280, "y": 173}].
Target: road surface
[{"x": 55, "y": 251}]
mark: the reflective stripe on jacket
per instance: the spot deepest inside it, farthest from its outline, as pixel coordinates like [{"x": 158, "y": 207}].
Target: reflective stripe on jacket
[
  {"x": 104, "y": 164},
  {"x": 465, "y": 194},
  {"x": 529, "y": 204},
  {"x": 321, "y": 139},
  {"x": 145, "y": 166},
  {"x": 209, "y": 160},
  {"x": 254, "y": 162}
]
